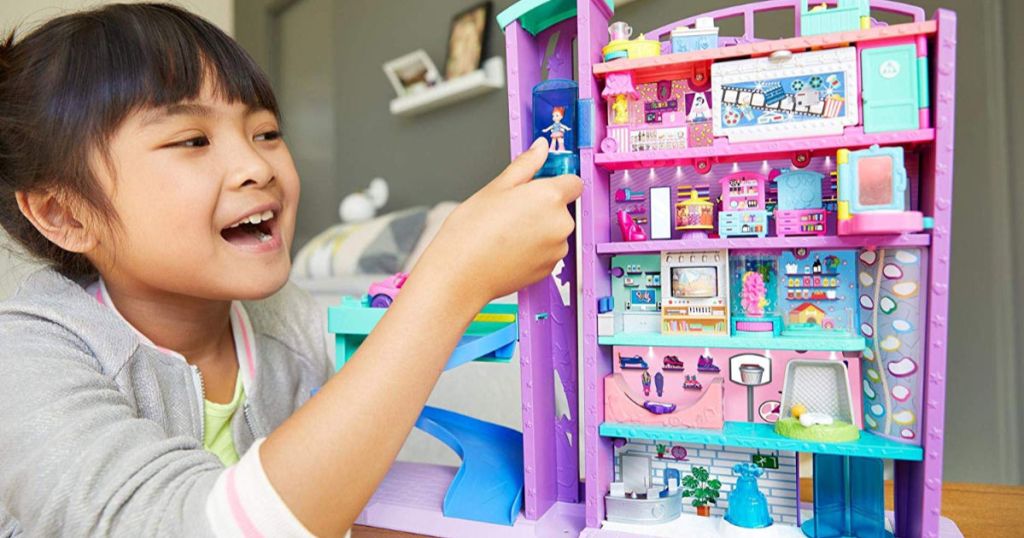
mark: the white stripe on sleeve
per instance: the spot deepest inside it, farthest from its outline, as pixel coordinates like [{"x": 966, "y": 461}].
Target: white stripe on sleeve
[{"x": 243, "y": 503}]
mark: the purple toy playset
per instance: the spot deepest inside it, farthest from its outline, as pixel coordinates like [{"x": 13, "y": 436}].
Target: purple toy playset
[{"x": 765, "y": 265}]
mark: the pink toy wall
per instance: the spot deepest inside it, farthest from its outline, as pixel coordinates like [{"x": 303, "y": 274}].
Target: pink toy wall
[{"x": 735, "y": 401}]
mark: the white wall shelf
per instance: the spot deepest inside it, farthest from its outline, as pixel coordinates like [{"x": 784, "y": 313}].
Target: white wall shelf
[{"x": 490, "y": 77}]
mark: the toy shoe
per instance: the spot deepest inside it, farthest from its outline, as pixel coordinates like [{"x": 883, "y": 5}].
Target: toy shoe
[
  {"x": 691, "y": 383},
  {"x": 673, "y": 363},
  {"x": 631, "y": 231},
  {"x": 707, "y": 364}
]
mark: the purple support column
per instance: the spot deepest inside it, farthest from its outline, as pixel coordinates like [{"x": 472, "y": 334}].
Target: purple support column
[
  {"x": 919, "y": 484},
  {"x": 523, "y": 56},
  {"x": 547, "y": 326},
  {"x": 563, "y": 318},
  {"x": 534, "y": 335},
  {"x": 593, "y": 17}
]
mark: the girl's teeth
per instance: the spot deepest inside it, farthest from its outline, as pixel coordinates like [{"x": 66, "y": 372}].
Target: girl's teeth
[
  {"x": 264, "y": 237},
  {"x": 255, "y": 219}
]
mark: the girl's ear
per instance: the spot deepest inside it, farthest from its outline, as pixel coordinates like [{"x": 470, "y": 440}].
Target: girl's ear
[{"x": 58, "y": 219}]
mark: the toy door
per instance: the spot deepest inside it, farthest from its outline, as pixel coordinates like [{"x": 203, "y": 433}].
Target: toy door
[{"x": 890, "y": 88}]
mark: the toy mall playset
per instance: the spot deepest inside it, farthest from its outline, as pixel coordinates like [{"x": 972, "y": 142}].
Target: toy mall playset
[{"x": 765, "y": 246}]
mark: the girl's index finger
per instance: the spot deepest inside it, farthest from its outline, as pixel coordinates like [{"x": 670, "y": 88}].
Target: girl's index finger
[{"x": 524, "y": 167}]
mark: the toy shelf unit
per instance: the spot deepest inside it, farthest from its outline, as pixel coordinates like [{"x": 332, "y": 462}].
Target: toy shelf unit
[{"x": 765, "y": 240}]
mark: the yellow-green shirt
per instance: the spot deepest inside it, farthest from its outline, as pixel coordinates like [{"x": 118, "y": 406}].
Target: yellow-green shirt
[{"x": 217, "y": 425}]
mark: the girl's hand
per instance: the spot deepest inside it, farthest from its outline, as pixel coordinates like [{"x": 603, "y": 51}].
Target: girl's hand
[{"x": 510, "y": 234}]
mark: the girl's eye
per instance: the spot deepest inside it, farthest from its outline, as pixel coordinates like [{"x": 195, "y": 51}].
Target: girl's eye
[
  {"x": 268, "y": 136},
  {"x": 195, "y": 142}
]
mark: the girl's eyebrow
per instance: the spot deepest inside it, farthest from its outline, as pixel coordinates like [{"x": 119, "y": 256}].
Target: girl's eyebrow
[{"x": 162, "y": 114}]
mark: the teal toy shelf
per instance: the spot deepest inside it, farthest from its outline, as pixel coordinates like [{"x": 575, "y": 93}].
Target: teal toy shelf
[
  {"x": 535, "y": 16},
  {"x": 815, "y": 342},
  {"x": 490, "y": 337},
  {"x": 763, "y": 436}
]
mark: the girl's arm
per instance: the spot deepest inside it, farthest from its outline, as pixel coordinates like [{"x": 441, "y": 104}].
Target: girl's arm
[{"x": 328, "y": 458}]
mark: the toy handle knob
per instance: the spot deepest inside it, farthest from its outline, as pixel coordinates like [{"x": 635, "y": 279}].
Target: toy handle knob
[{"x": 780, "y": 56}]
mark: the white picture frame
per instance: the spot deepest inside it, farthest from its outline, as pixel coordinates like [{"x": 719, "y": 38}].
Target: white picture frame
[{"x": 411, "y": 73}]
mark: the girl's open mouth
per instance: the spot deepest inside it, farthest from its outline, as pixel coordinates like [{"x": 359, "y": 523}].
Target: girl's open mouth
[{"x": 255, "y": 232}]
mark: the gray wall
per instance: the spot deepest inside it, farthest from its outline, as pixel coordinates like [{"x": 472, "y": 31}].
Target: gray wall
[
  {"x": 451, "y": 152},
  {"x": 1014, "y": 178},
  {"x": 443, "y": 155}
]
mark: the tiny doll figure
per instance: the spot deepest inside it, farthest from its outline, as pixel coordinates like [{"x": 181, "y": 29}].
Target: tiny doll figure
[
  {"x": 645, "y": 380},
  {"x": 621, "y": 109},
  {"x": 557, "y": 130}
]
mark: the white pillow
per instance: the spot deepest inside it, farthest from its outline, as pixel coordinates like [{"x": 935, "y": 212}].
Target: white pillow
[
  {"x": 381, "y": 245},
  {"x": 435, "y": 218}
]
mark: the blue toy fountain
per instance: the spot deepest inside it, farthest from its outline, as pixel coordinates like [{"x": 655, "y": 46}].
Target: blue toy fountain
[{"x": 748, "y": 507}]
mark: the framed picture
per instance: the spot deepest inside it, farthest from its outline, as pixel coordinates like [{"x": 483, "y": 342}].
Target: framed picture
[
  {"x": 411, "y": 73},
  {"x": 466, "y": 40}
]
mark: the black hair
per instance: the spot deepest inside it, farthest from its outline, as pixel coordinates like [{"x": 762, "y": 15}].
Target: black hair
[{"x": 67, "y": 86}]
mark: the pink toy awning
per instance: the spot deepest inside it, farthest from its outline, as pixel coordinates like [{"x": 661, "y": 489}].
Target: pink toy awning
[{"x": 619, "y": 84}]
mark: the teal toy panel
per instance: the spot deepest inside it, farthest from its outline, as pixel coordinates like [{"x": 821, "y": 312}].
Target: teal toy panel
[{"x": 890, "y": 93}]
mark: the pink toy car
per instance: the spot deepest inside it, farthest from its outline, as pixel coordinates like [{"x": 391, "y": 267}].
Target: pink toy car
[{"x": 382, "y": 293}]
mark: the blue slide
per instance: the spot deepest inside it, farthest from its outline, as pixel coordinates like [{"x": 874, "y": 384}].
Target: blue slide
[{"x": 489, "y": 485}]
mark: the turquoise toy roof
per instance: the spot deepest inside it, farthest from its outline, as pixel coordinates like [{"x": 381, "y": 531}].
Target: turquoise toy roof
[{"x": 539, "y": 15}]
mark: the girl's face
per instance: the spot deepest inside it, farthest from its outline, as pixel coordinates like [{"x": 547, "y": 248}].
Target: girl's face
[{"x": 183, "y": 179}]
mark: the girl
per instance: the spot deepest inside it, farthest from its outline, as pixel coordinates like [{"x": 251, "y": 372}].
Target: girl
[{"x": 155, "y": 379}]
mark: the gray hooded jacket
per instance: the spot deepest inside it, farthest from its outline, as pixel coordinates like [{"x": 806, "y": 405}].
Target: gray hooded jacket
[{"x": 101, "y": 434}]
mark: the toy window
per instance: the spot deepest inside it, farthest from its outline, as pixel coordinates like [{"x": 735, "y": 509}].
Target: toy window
[{"x": 874, "y": 181}]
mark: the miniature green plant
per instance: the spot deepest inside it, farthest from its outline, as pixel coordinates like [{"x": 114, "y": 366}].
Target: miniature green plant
[
  {"x": 699, "y": 485},
  {"x": 661, "y": 450}
]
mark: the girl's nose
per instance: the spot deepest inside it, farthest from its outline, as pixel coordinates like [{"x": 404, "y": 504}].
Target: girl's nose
[{"x": 249, "y": 168}]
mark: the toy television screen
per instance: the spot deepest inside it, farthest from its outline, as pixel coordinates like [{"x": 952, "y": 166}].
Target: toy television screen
[
  {"x": 694, "y": 282},
  {"x": 642, "y": 297}
]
